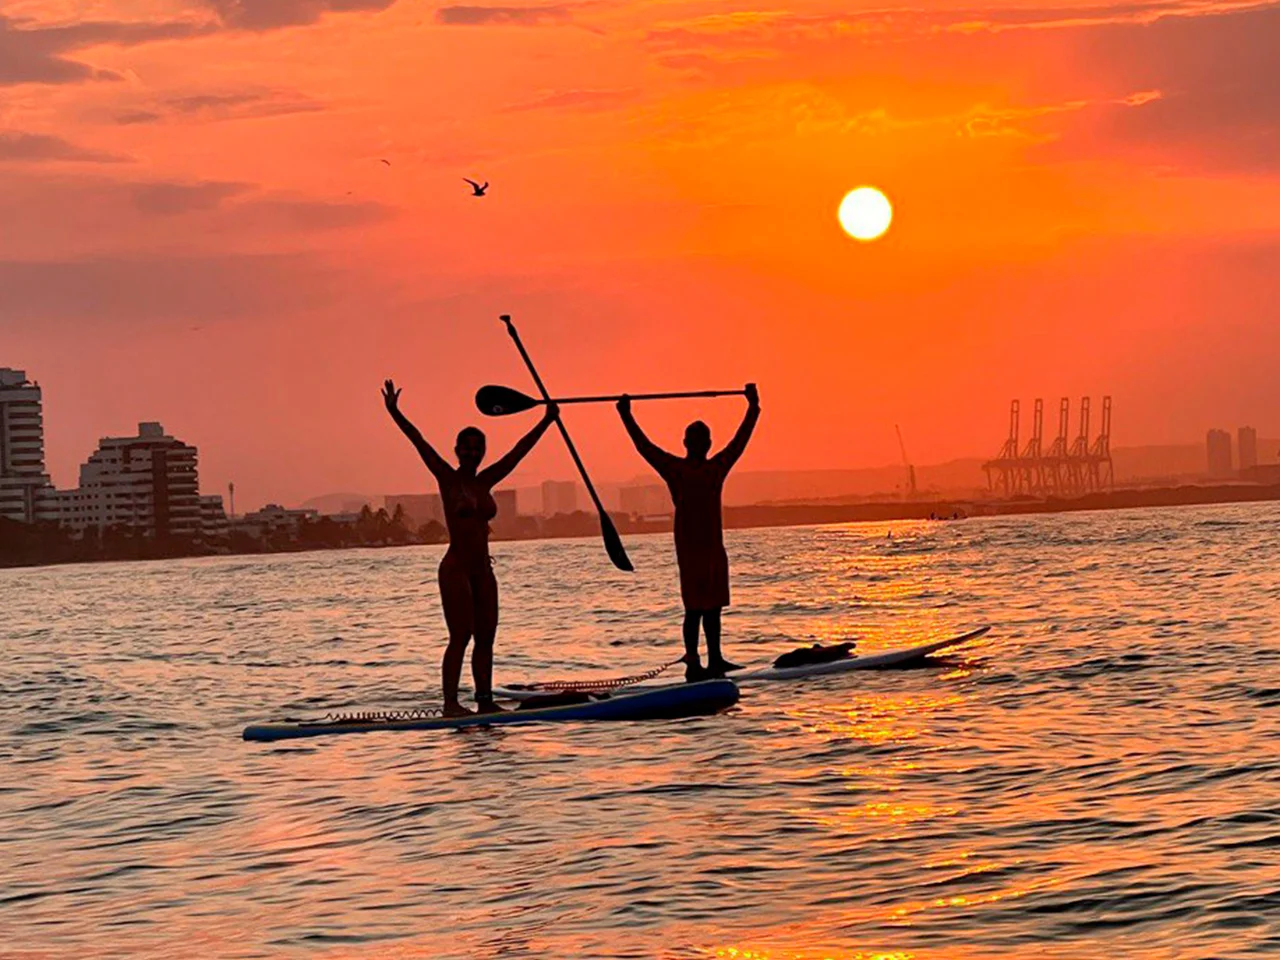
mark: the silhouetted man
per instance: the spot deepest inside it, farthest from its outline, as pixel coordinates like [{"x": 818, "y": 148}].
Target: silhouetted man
[{"x": 696, "y": 482}]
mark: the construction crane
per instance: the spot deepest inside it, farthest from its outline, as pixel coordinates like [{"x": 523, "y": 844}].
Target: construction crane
[{"x": 906, "y": 462}]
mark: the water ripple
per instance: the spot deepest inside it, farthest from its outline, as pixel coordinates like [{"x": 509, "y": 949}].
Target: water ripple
[{"x": 1099, "y": 780}]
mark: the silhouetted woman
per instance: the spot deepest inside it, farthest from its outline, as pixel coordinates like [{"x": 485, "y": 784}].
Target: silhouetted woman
[{"x": 468, "y": 588}]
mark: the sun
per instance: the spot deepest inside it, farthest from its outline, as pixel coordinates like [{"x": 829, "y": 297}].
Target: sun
[{"x": 865, "y": 213}]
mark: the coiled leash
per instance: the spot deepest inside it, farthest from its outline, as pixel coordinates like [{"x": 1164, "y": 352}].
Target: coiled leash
[{"x": 594, "y": 686}]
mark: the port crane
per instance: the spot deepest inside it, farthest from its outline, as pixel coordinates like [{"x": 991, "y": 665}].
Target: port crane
[{"x": 906, "y": 462}]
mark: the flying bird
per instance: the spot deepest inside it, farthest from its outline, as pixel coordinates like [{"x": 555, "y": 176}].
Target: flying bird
[
  {"x": 476, "y": 189},
  {"x": 387, "y": 162}
]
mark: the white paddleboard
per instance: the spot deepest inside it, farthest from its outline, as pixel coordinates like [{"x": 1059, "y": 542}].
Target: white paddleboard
[{"x": 875, "y": 661}]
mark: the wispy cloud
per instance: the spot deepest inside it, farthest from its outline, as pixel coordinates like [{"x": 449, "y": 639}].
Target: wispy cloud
[
  {"x": 472, "y": 16},
  {"x": 35, "y": 53},
  {"x": 38, "y": 52},
  {"x": 124, "y": 291},
  {"x": 243, "y": 105},
  {"x": 171, "y": 199},
  {"x": 258, "y": 15},
  {"x": 16, "y": 147},
  {"x": 573, "y": 100}
]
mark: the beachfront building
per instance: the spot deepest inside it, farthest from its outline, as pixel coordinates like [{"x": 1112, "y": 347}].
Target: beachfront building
[
  {"x": 26, "y": 495},
  {"x": 1247, "y": 447},
  {"x": 1218, "y": 448},
  {"x": 559, "y": 497},
  {"x": 213, "y": 518},
  {"x": 274, "y": 520},
  {"x": 145, "y": 484}
]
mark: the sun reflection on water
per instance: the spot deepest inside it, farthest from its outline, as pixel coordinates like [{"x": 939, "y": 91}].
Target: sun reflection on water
[{"x": 874, "y": 718}]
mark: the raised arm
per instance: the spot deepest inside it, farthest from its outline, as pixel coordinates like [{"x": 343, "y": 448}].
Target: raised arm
[
  {"x": 654, "y": 455},
  {"x": 734, "y": 448},
  {"x": 437, "y": 464},
  {"x": 498, "y": 471}
]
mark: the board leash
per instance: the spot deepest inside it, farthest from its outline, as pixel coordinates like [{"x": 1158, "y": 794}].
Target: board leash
[
  {"x": 591, "y": 686},
  {"x": 384, "y": 716}
]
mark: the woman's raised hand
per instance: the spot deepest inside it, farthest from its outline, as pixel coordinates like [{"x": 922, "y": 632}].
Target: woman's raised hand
[{"x": 390, "y": 395}]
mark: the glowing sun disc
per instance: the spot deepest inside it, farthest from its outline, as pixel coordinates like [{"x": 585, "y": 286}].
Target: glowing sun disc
[{"x": 865, "y": 213}]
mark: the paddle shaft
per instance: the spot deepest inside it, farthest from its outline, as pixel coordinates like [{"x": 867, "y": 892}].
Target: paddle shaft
[
  {"x": 546, "y": 398},
  {"x": 683, "y": 395}
]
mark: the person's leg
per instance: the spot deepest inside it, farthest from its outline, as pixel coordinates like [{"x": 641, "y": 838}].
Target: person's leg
[
  {"x": 455, "y": 597},
  {"x": 484, "y": 588},
  {"x": 693, "y": 663},
  {"x": 717, "y": 665}
]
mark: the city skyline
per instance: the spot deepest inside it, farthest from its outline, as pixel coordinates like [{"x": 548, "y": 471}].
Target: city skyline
[{"x": 305, "y": 489}]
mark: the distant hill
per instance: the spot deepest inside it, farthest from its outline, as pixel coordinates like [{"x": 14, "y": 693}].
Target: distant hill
[{"x": 764, "y": 486}]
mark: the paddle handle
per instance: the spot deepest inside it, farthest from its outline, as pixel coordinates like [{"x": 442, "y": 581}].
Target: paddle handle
[
  {"x": 680, "y": 395},
  {"x": 568, "y": 442}
]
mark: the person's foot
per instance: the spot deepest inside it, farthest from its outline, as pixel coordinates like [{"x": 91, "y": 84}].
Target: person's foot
[
  {"x": 488, "y": 706},
  {"x": 693, "y": 671},
  {"x": 718, "y": 668},
  {"x": 455, "y": 709}
]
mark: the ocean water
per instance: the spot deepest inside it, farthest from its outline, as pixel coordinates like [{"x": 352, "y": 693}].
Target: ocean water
[{"x": 1099, "y": 779}]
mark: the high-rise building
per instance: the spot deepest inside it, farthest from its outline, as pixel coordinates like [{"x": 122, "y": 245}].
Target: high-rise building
[
  {"x": 508, "y": 522},
  {"x": 26, "y": 495},
  {"x": 1218, "y": 447},
  {"x": 1247, "y": 446},
  {"x": 648, "y": 500},
  {"x": 419, "y": 508},
  {"x": 214, "y": 524},
  {"x": 146, "y": 484},
  {"x": 559, "y": 496},
  {"x": 506, "y": 501}
]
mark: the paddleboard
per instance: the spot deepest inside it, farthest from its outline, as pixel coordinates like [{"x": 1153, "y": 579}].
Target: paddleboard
[
  {"x": 665, "y": 703},
  {"x": 874, "y": 661}
]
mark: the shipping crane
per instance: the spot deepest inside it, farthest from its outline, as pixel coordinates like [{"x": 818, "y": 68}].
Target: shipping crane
[{"x": 906, "y": 462}]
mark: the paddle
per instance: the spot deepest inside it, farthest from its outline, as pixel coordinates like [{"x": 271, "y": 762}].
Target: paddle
[
  {"x": 496, "y": 401},
  {"x": 612, "y": 542}
]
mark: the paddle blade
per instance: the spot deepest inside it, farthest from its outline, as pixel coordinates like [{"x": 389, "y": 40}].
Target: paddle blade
[
  {"x": 613, "y": 544},
  {"x": 494, "y": 401}
]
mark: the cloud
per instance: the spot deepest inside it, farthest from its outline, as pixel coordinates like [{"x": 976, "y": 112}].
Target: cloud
[
  {"x": 17, "y": 147},
  {"x": 516, "y": 16},
  {"x": 1183, "y": 84},
  {"x": 245, "y": 105},
  {"x": 35, "y": 53},
  {"x": 1188, "y": 93},
  {"x": 171, "y": 199},
  {"x": 572, "y": 99},
  {"x": 313, "y": 214},
  {"x": 260, "y": 15},
  {"x": 146, "y": 290},
  {"x": 229, "y": 201}
]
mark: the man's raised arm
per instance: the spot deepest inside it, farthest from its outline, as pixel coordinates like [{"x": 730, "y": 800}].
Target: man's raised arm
[
  {"x": 735, "y": 447},
  {"x": 655, "y": 456}
]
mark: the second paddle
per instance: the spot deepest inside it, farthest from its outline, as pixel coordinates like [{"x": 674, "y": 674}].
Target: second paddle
[{"x": 498, "y": 401}]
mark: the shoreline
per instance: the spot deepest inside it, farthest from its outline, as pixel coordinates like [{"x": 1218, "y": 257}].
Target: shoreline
[{"x": 757, "y": 516}]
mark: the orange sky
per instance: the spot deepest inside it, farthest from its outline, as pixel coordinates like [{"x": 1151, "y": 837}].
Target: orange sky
[{"x": 195, "y": 226}]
